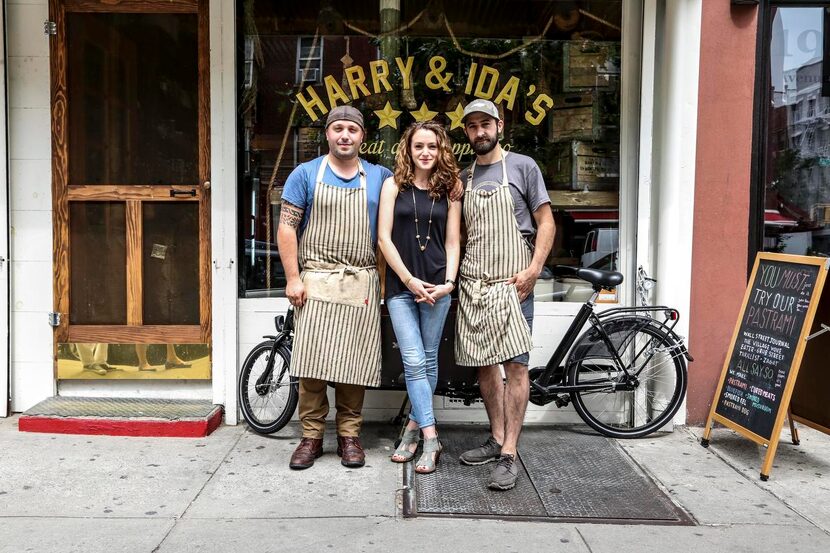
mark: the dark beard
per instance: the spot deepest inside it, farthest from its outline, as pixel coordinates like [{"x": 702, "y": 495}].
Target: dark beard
[
  {"x": 345, "y": 157},
  {"x": 484, "y": 147}
]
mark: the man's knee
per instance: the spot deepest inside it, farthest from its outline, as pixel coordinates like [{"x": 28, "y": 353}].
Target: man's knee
[{"x": 516, "y": 372}]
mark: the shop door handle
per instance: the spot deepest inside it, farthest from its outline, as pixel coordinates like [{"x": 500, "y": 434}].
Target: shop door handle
[{"x": 191, "y": 192}]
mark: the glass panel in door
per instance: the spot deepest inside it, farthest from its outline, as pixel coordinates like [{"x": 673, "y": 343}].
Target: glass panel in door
[{"x": 134, "y": 98}]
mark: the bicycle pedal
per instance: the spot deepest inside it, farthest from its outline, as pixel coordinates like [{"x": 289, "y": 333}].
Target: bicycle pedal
[{"x": 562, "y": 401}]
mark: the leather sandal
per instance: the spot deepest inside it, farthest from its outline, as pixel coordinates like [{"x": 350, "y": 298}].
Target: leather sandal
[
  {"x": 428, "y": 462},
  {"x": 409, "y": 437}
]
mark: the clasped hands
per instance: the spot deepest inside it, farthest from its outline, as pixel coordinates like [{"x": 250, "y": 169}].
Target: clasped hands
[{"x": 425, "y": 292}]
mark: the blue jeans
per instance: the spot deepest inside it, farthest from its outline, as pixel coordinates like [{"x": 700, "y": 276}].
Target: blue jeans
[{"x": 418, "y": 328}]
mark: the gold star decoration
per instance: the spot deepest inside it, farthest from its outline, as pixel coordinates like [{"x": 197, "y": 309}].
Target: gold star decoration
[
  {"x": 424, "y": 113},
  {"x": 455, "y": 116},
  {"x": 388, "y": 116}
]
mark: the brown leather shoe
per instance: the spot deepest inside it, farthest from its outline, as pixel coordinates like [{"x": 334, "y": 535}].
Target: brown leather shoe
[
  {"x": 350, "y": 451},
  {"x": 305, "y": 454}
]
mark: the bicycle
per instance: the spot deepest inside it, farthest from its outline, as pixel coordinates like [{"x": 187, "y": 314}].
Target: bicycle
[
  {"x": 265, "y": 378},
  {"x": 626, "y": 374}
]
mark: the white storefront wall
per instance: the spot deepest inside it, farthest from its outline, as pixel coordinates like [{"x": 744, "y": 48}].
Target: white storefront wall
[
  {"x": 4, "y": 231},
  {"x": 659, "y": 111}
]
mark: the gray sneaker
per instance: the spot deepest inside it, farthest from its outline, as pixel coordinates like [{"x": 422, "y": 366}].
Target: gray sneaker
[
  {"x": 488, "y": 452},
  {"x": 505, "y": 473}
]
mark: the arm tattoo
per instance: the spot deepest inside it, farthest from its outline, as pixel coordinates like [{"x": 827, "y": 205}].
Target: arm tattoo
[{"x": 291, "y": 215}]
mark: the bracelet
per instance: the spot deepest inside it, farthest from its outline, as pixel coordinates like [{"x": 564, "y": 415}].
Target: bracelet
[
  {"x": 408, "y": 280},
  {"x": 451, "y": 282}
]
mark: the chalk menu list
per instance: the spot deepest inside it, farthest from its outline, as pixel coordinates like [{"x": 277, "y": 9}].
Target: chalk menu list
[{"x": 771, "y": 323}]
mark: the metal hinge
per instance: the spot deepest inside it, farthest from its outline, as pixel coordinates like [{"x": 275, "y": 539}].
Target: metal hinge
[
  {"x": 50, "y": 28},
  {"x": 54, "y": 319}
]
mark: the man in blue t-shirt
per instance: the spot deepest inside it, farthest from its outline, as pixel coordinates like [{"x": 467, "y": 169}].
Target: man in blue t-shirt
[{"x": 328, "y": 226}]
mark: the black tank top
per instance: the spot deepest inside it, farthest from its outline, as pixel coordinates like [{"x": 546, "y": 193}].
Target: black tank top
[{"x": 429, "y": 265}]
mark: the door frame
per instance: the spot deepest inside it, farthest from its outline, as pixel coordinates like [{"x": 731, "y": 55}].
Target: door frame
[
  {"x": 132, "y": 195},
  {"x": 5, "y": 271}
]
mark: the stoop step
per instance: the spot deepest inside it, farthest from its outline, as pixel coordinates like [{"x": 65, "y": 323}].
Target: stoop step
[{"x": 178, "y": 418}]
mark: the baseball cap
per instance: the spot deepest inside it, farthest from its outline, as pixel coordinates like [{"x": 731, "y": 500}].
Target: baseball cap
[
  {"x": 481, "y": 106},
  {"x": 345, "y": 113}
]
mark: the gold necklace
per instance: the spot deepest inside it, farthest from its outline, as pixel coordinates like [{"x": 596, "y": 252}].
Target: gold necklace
[{"x": 429, "y": 227}]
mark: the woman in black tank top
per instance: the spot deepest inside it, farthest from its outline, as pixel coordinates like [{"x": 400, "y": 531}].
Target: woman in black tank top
[{"x": 419, "y": 235}]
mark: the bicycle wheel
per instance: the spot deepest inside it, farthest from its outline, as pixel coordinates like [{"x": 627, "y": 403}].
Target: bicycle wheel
[
  {"x": 635, "y": 404},
  {"x": 267, "y": 400}
]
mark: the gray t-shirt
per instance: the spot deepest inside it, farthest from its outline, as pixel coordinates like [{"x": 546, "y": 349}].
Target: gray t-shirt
[{"x": 527, "y": 186}]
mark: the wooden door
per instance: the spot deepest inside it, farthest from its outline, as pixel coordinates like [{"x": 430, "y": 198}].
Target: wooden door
[{"x": 131, "y": 188}]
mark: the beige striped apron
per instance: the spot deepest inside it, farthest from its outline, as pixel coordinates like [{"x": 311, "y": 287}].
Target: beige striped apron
[
  {"x": 490, "y": 327},
  {"x": 337, "y": 330}
]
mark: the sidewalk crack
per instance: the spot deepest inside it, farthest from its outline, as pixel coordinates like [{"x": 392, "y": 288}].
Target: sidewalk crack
[{"x": 198, "y": 493}]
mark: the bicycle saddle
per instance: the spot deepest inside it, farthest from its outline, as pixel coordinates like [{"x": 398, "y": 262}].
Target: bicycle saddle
[{"x": 604, "y": 279}]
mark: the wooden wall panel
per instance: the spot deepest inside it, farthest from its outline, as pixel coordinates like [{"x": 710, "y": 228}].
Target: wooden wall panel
[
  {"x": 125, "y": 334},
  {"x": 133, "y": 6},
  {"x": 135, "y": 272},
  {"x": 204, "y": 173},
  {"x": 60, "y": 207}
]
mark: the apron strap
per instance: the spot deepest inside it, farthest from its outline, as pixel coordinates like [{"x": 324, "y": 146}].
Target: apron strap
[
  {"x": 325, "y": 163},
  {"x": 503, "y": 172}
]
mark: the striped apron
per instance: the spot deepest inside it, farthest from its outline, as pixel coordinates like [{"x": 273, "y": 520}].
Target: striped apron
[
  {"x": 337, "y": 330},
  {"x": 490, "y": 327}
]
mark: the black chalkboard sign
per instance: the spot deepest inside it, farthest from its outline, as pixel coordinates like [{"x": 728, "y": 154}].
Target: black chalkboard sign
[
  {"x": 770, "y": 327},
  {"x": 767, "y": 347}
]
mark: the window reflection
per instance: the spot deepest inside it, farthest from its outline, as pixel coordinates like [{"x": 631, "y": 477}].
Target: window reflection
[
  {"x": 553, "y": 67},
  {"x": 797, "y": 169}
]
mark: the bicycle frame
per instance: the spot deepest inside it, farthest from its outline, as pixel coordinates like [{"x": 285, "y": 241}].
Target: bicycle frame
[
  {"x": 285, "y": 327},
  {"x": 549, "y": 383}
]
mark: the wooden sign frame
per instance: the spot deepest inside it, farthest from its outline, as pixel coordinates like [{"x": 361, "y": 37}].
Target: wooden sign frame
[{"x": 783, "y": 410}]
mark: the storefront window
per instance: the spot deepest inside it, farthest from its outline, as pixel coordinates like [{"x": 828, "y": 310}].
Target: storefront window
[
  {"x": 553, "y": 67},
  {"x": 796, "y": 169}
]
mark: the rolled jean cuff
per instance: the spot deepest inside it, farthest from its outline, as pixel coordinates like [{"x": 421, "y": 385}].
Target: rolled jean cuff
[{"x": 427, "y": 424}]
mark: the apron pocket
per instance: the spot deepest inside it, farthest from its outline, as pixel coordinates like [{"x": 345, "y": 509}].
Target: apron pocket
[{"x": 350, "y": 289}]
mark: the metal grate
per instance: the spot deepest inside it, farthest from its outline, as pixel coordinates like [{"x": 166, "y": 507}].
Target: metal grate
[
  {"x": 458, "y": 489},
  {"x": 565, "y": 474},
  {"x": 582, "y": 475},
  {"x": 164, "y": 409}
]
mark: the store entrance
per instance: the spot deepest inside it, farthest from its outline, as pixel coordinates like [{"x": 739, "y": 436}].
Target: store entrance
[{"x": 131, "y": 189}]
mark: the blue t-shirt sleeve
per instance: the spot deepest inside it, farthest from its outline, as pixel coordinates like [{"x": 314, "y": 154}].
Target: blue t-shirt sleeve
[{"x": 295, "y": 191}]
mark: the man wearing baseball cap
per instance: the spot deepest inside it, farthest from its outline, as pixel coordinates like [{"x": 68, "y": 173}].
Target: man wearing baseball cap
[
  {"x": 327, "y": 236},
  {"x": 509, "y": 235}
]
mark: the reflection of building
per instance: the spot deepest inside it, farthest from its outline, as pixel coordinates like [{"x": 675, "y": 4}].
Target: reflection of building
[
  {"x": 667, "y": 163},
  {"x": 798, "y": 160}
]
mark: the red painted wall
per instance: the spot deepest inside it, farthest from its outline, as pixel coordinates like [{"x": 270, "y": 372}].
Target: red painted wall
[{"x": 722, "y": 187}]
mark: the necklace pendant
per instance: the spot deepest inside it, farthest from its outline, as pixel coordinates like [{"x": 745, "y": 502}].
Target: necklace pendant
[{"x": 423, "y": 248}]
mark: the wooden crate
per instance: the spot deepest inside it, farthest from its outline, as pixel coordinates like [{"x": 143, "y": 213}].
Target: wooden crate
[
  {"x": 575, "y": 117},
  {"x": 581, "y": 165},
  {"x": 588, "y": 64}
]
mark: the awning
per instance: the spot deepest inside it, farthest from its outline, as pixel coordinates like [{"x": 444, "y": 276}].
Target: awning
[{"x": 774, "y": 218}]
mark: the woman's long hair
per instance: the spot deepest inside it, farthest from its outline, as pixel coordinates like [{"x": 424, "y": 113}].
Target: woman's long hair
[{"x": 444, "y": 173}]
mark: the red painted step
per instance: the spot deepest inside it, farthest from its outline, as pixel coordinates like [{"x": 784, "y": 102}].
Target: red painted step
[{"x": 123, "y": 417}]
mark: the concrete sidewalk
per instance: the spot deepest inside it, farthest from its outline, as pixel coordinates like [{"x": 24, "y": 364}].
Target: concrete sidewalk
[{"x": 233, "y": 491}]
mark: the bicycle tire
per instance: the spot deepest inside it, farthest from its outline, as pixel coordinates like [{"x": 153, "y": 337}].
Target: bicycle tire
[
  {"x": 262, "y": 414},
  {"x": 661, "y": 382}
]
